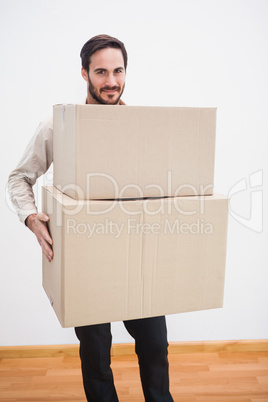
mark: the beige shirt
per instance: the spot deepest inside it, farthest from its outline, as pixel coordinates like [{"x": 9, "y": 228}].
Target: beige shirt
[{"x": 35, "y": 161}]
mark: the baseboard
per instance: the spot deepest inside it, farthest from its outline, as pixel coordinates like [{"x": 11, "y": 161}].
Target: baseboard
[{"x": 238, "y": 346}]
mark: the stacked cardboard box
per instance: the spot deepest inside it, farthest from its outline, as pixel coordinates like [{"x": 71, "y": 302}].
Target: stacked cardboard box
[{"x": 137, "y": 230}]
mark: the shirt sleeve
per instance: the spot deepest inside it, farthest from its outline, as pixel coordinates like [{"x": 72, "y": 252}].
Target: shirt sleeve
[{"x": 35, "y": 161}]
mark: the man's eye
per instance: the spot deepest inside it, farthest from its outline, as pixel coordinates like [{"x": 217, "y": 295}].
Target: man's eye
[
  {"x": 119, "y": 70},
  {"x": 100, "y": 72}
]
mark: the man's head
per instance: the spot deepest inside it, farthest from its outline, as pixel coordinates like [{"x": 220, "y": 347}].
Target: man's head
[{"x": 104, "y": 63}]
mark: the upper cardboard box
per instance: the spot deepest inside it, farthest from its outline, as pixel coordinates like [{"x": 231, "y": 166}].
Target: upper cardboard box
[{"x": 109, "y": 152}]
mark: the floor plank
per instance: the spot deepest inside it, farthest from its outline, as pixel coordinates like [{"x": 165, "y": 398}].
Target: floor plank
[{"x": 194, "y": 377}]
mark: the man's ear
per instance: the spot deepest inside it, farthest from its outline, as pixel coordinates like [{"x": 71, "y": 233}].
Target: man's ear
[{"x": 84, "y": 74}]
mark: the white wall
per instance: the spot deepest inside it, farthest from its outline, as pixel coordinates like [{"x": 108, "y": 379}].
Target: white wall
[{"x": 181, "y": 53}]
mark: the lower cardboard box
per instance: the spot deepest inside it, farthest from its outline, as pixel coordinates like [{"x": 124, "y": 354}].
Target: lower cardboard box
[{"x": 118, "y": 260}]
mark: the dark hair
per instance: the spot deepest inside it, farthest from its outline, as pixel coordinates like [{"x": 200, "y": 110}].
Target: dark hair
[{"x": 97, "y": 43}]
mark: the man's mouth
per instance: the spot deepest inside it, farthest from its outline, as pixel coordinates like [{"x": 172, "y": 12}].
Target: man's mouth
[{"x": 110, "y": 90}]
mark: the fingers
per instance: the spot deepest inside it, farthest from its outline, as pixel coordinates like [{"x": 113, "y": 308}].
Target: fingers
[
  {"x": 46, "y": 248},
  {"x": 43, "y": 236},
  {"x": 47, "y": 237},
  {"x": 42, "y": 217},
  {"x": 38, "y": 225},
  {"x": 46, "y": 243},
  {"x": 47, "y": 251}
]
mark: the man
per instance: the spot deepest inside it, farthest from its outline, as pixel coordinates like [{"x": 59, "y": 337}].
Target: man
[{"x": 104, "y": 63}]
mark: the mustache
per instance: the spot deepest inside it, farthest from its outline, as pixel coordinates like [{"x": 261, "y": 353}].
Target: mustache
[{"x": 114, "y": 88}]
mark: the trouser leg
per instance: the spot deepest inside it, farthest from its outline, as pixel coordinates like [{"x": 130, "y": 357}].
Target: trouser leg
[
  {"x": 95, "y": 347},
  {"x": 150, "y": 335}
]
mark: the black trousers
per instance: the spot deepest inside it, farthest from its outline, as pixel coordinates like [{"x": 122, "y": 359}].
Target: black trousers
[{"x": 151, "y": 344}]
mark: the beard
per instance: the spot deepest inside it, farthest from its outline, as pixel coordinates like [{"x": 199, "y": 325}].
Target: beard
[{"x": 96, "y": 95}]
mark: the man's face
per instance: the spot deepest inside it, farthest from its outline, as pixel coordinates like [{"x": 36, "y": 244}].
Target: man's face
[{"x": 106, "y": 76}]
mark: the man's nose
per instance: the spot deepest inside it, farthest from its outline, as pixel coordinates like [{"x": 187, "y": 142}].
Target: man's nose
[{"x": 111, "y": 80}]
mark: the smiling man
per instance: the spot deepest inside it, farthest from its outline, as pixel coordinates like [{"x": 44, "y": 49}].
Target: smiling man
[
  {"x": 105, "y": 85},
  {"x": 104, "y": 63}
]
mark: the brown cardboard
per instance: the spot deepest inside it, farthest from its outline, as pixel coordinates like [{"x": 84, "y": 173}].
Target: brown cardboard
[
  {"x": 102, "y": 151},
  {"x": 120, "y": 260}
]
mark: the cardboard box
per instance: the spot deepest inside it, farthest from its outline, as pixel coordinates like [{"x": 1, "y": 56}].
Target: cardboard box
[
  {"x": 102, "y": 151},
  {"x": 120, "y": 260}
]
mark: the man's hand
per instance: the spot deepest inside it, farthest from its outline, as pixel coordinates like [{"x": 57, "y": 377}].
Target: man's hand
[{"x": 37, "y": 224}]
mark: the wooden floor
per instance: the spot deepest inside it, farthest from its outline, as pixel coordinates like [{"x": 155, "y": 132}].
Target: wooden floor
[{"x": 194, "y": 377}]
